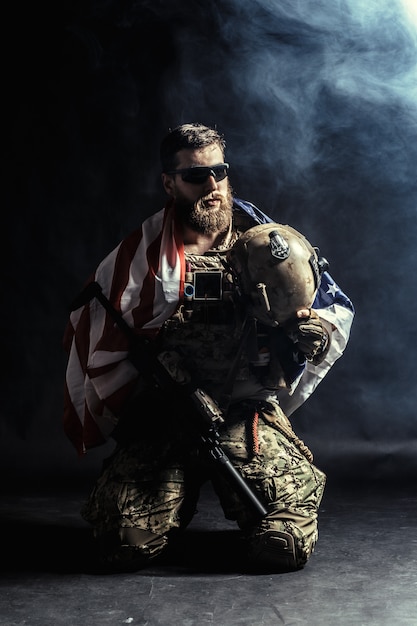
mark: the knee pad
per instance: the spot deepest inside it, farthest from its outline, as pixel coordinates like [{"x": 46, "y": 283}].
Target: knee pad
[
  {"x": 274, "y": 551},
  {"x": 129, "y": 549}
]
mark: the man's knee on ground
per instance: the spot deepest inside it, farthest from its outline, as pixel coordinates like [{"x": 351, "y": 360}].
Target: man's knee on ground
[
  {"x": 282, "y": 545},
  {"x": 129, "y": 549},
  {"x": 275, "y": 551}
]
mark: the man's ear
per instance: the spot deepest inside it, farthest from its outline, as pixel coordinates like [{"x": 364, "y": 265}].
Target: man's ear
[{"x": 168, "y": 183}]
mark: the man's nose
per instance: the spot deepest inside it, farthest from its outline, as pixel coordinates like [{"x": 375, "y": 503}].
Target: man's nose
[{"x": 211, "y": 184}]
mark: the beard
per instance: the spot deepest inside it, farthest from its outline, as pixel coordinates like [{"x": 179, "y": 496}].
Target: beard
[{"x": 203, "y": 218}]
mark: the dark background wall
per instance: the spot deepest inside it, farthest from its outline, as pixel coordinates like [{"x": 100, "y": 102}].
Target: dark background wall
[{"x": 318, "y": 102}]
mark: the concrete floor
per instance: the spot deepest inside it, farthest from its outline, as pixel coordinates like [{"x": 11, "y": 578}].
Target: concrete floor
[{"x": 363, "y": 573}]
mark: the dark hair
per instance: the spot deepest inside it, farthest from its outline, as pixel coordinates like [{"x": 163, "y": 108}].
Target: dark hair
[{"x": 187, "y": 136}]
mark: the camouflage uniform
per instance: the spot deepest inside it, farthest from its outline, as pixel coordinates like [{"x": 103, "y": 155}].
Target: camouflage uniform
[{"x": 149, "y": 487}]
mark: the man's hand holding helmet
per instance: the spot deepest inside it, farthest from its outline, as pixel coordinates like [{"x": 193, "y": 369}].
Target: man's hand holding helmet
[
  {"x": 278, "y": 272},
  {"x": 309, "y": 334}
]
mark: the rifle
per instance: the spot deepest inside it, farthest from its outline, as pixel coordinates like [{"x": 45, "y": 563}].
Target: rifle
[{"x": 204, "y": 407}]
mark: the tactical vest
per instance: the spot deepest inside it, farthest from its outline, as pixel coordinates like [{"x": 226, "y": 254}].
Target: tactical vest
[{"x": 206, "y": 330}]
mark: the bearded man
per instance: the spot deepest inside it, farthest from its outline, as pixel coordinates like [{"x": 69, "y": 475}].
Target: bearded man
[{"x": 172, "y": 282}]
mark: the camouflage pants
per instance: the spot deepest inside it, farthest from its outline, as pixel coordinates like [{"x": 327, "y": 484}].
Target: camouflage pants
[{"x": 147, "y": 490}]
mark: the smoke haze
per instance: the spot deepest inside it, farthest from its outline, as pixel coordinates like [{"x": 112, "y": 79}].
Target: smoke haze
[{"x": 318, "y": 104}]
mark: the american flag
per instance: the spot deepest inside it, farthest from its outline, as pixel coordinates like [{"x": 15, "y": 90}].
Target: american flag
[{"x": 143, "y": 278}]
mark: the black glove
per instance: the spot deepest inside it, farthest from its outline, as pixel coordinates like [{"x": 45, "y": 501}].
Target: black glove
[{"x": 309, "y": 335}]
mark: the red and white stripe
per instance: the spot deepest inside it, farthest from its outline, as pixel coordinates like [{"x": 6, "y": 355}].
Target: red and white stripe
[{"x": 143, "y": 279}]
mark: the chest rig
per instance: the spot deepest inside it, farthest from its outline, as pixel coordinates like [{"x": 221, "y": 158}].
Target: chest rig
[{"x": 207, "y": 327}]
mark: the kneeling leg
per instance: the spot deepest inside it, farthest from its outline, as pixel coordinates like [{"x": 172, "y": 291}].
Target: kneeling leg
[
  {"x": 135, "y": 506},
  {"x": 281, "y": 472}
]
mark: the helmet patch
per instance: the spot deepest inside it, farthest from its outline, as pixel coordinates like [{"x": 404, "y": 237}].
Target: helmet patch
[{"x": 278, "y": 246}]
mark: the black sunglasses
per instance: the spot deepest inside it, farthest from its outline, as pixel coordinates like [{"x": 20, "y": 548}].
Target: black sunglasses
[{"x": 198, "y": 175}]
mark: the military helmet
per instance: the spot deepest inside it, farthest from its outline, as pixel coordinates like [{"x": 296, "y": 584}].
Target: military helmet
[{"x": 277, "y": 271}]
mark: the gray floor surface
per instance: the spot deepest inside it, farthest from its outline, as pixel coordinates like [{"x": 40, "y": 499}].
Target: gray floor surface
[{"x": 363, "y": 572}]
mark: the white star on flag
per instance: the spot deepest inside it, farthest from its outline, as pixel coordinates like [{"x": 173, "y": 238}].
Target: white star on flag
[{"x": 333, "y": 289}]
